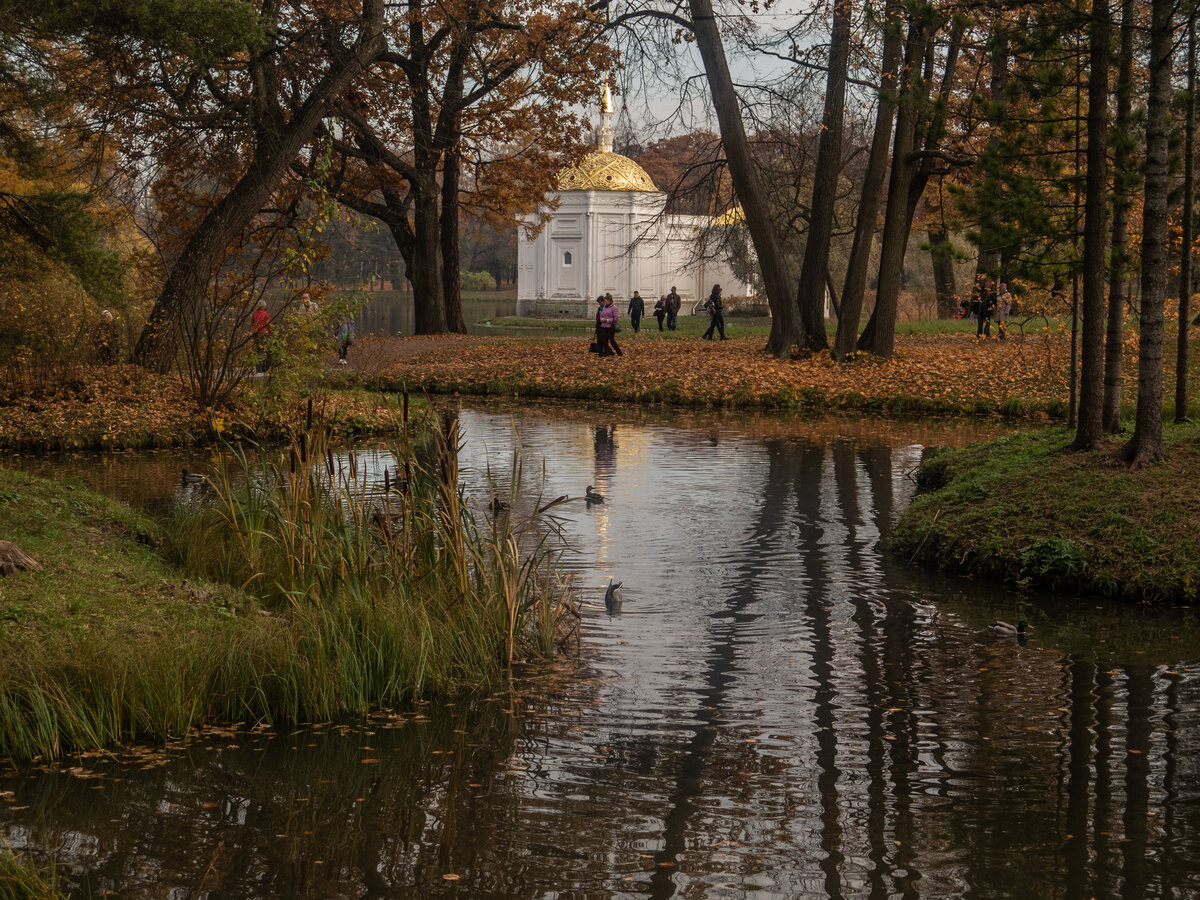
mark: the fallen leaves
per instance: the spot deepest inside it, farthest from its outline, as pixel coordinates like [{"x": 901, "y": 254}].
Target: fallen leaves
[{"x": 930, "y": 373}]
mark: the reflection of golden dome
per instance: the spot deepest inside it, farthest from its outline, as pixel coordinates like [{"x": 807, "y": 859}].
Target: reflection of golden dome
[{"x": 605, "y": 172}]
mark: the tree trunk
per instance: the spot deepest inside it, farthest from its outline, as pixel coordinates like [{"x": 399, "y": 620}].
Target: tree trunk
[
  {"x": 810, "y": 294},
  {"x": 746, "y": 184},
  {"x": 1090, "y": 432},
  {"x": 1187, "y": 235},
  {"x": 429, "y": 306},
  {"x": 274, "y": 151},
  {"x": 451, "y": 277},
  {"x": 872, "y": 189},
  {"x": 1146, "y": 445},
  {"x": 879, "y": 337},
  {"x": 1122, "y": 160},
  {"x": 989, "y": 257},
  {"x": 943, "y": 273}
]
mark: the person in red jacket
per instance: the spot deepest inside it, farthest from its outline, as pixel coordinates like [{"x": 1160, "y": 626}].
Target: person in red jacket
[{"x": 260, "y": 329}]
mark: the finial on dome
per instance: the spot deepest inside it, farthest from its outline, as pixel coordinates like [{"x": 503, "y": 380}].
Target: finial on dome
[{"x": 606, "y": 130}]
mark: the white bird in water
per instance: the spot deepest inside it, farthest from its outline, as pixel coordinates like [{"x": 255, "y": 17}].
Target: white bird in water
[{"x": 612, "y": 596}]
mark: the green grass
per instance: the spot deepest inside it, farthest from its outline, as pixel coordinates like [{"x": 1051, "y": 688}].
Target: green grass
[
  {"x": 1026, "y": 511},
  {"x": 22, "y": 879},
  {"x": 298, "y": 605}
]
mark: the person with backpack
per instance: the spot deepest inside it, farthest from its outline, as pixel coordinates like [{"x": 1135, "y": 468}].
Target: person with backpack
[
  {"x": 673, "y": 304},
  {"x": 987, "y": 308},
  {"x": 716, "y": 309}
]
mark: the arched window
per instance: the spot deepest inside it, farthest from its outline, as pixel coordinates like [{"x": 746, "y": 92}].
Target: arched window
[{"x": 566, "y": 257}]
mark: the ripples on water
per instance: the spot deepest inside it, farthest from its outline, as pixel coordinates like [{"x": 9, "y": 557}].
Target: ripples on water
[{"x": 779, "y": 711}]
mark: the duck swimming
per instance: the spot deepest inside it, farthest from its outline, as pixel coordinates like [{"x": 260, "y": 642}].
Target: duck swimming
[
  {"x": 591, "y": 496},
  {"x": 1003, "y": 629},
  {"x": 612, "y": 596},
  {"x": 193, "y": 478}
]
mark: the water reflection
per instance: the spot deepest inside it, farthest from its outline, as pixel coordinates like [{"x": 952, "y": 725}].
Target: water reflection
[{"x": 781, "y": 711}]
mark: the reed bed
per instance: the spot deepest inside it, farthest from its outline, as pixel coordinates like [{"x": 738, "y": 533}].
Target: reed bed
[
  {"x": 353, "y": 596},
  {"x": 22, "y": 879}
]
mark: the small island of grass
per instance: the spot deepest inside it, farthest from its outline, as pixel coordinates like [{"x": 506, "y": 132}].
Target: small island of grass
[{"x": 1026, "y": 511}]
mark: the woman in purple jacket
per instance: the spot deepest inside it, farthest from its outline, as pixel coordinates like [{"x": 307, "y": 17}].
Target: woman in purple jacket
[{"x": 609, "y": 314}]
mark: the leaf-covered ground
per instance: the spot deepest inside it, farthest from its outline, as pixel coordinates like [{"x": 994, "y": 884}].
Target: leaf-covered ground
[
  {"x": 125, "y": 407},
  {"x": 947, "y": 373}
]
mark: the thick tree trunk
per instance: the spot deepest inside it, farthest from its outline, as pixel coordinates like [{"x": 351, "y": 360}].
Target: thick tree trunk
[
  {"x": 810, "y": 295},
  {"x": 943, "y": 273},
  {"x": 879, "y": 337},
  {"x": 1146, "y": 445},
  {"x": 1090, "y": 431},
  {"x": 989, "y": 257},
  {"x": 1114, "y": 351},
  {"x": 746, "y": 184},
  {"x": 187, "y": 281},
  {"x": 872, "y": 189},
  {"x": 429, "y": 306},
  {"x": 1188, "y": 229}
]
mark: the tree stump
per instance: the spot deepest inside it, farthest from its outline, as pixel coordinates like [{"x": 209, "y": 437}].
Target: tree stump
[{"x": 13, "y": 558}]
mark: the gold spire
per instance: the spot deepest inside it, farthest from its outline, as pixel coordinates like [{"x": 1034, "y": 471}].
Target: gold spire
[{"x": 606, "y": 129}]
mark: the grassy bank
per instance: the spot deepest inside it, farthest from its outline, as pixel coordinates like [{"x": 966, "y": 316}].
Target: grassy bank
[
  {"x": 1025, "y": 511},
  {"x": 297, "y": 596}
]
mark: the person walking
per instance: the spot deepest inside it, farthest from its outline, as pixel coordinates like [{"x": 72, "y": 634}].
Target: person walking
[
  {"x": 260, "y": 328},
  {"x": 673, "y": 305},
  {"x": 716, "y": 310},
  {"x": 987, "y": 307},
  {"x": 637, "y": 309},
  {"x": 1003, "y": 310},
  {"x": 608, "y": 316},
  {"x": 660, "y": 310},
  {"x": 343, "y": 334}
]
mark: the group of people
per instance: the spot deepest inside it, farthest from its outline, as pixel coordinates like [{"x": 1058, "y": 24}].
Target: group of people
[
  {"x": 261, "y": 322},
  {"x": 667, "y": 308},
  {"x": 608, "y": 317},
  {"x": 987, "y": 306}
]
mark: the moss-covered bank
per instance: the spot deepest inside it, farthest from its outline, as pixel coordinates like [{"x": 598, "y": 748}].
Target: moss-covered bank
[{"x": 1026, "y": 511}]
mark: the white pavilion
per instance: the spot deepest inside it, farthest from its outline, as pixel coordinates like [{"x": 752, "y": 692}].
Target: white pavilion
[{"x": 611, "y": 234}]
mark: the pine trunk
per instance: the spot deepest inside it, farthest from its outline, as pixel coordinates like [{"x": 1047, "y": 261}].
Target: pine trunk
[
  {"x": 1114, "y": 350},
  {"x": 1090, "y": 431},
  {"x": 1188, "y": 229},
  {"x": 1146, "y": 445}
]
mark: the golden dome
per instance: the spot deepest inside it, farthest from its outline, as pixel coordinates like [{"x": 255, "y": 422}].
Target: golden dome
[{"x": 599, "y": 171}]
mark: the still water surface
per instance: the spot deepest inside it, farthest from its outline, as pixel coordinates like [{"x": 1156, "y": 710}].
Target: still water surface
[{"x": 779, "y": 711}]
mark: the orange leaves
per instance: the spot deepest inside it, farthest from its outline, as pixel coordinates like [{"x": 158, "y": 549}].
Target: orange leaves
[{"x": 951, "y": 372}]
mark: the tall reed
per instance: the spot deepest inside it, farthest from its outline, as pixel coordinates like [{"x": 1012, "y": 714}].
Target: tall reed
[
  {"x": 22, "y": 879},
  {"x": 366, "y": 597}
]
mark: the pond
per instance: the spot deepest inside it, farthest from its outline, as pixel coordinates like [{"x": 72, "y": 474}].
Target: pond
[{"x": 780, "y": 710}]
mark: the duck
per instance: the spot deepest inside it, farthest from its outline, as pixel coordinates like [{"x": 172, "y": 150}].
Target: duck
[
  {"x": 498, "y": 506},
  {"x": 612, "y": 596},
  {"x": 591, "y": 496},
  {"x": 193, "y": 477},
  {"x": 1003, "y": 629}
]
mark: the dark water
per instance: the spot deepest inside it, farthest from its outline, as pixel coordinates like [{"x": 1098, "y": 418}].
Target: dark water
[{"x": 780, "y": 711}]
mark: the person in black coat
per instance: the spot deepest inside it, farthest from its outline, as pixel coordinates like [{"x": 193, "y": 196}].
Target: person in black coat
[
  {"x": 637, "y": 309},
  {"x": 716, "y": 309},
  {"x": 660, "y": 310}
]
